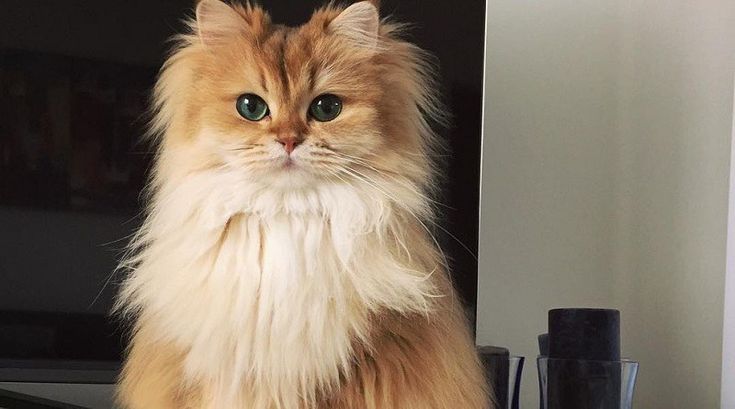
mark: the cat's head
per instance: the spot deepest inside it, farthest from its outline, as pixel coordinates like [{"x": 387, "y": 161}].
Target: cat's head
[{"x": 341, "y": 99}]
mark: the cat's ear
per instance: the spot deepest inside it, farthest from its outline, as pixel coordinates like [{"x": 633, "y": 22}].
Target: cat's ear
[
  {"x": 360, "y": 23},
  {"x": 375, "y": 3},
  {"x": 216, "y": 22}
]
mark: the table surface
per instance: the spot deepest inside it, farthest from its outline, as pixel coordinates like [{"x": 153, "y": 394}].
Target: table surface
[{"x": 87, "y": 396}]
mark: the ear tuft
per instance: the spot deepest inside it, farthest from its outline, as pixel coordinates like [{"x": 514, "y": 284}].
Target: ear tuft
[
  {"x": 359, "y": 23},
  {"x": 217, "y": 21}
]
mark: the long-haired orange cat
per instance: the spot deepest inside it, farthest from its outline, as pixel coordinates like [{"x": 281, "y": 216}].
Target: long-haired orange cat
[{"x": 286, "y": 262}]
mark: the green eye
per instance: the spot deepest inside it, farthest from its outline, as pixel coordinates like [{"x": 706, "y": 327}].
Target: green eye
[
  {"x": 325, "y": 107},
  {"x": 252, "y": 107}
]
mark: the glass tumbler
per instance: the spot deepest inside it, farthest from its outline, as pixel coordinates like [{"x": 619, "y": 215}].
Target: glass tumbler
[
  {"x": 504, "y": 377},
  {"x": 581, "y": 384}
]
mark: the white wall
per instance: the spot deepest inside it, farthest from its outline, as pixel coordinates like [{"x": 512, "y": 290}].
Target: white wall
[
  {"x": 605, "y": 166},
  {"x": 547, "y": 177},
  {"x": 673, "y": 142},
  {"x": 728, "y": 338}
]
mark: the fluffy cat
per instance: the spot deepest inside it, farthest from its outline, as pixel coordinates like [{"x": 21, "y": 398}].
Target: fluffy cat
[{"x": 286, "y": 260}]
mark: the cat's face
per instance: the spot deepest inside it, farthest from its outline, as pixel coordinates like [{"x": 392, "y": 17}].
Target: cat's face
[{"x": 331, "y": 101}]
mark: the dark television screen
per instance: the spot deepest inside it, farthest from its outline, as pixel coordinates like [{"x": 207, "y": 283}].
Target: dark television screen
[{"x": 75, "y": 78}]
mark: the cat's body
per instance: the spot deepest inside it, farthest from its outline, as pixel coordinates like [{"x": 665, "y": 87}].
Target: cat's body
[{"x": 303, "y": 279}]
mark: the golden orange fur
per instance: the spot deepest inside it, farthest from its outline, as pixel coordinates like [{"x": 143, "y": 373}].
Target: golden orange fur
[{"x": 269, "y": 279}]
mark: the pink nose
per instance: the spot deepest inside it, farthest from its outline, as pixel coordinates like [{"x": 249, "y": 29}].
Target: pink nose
[{"x": 289, "y": 142}]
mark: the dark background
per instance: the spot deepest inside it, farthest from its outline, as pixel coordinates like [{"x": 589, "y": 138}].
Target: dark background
[{"x": 75, "y": 77}]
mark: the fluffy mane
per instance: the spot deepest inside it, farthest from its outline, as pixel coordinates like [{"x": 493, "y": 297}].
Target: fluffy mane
[{"x": 259, "y": 291}]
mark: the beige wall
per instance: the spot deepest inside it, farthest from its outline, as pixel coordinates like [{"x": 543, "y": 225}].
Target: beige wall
[
  {"x": 605, "y": 166},
  {"x": 673, "y": 165},
  {"x": 728, "y": 336}
]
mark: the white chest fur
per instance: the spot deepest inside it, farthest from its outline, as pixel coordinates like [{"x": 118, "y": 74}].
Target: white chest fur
[{"x": 269, "y": 289}]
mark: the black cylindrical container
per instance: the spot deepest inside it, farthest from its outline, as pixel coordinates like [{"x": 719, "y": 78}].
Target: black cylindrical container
[{"x": 583, "y": 334}]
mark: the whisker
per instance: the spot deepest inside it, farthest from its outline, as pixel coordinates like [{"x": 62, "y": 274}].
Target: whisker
[
  {"x": 364, "y": 163},
  {"x": 396, "y": 177},
  {"x": 365, "y": 179},
  {"x": 247, "y": 147},
  {"x": 401, "y": 153},
  {"x": 462, "y": 244}
]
